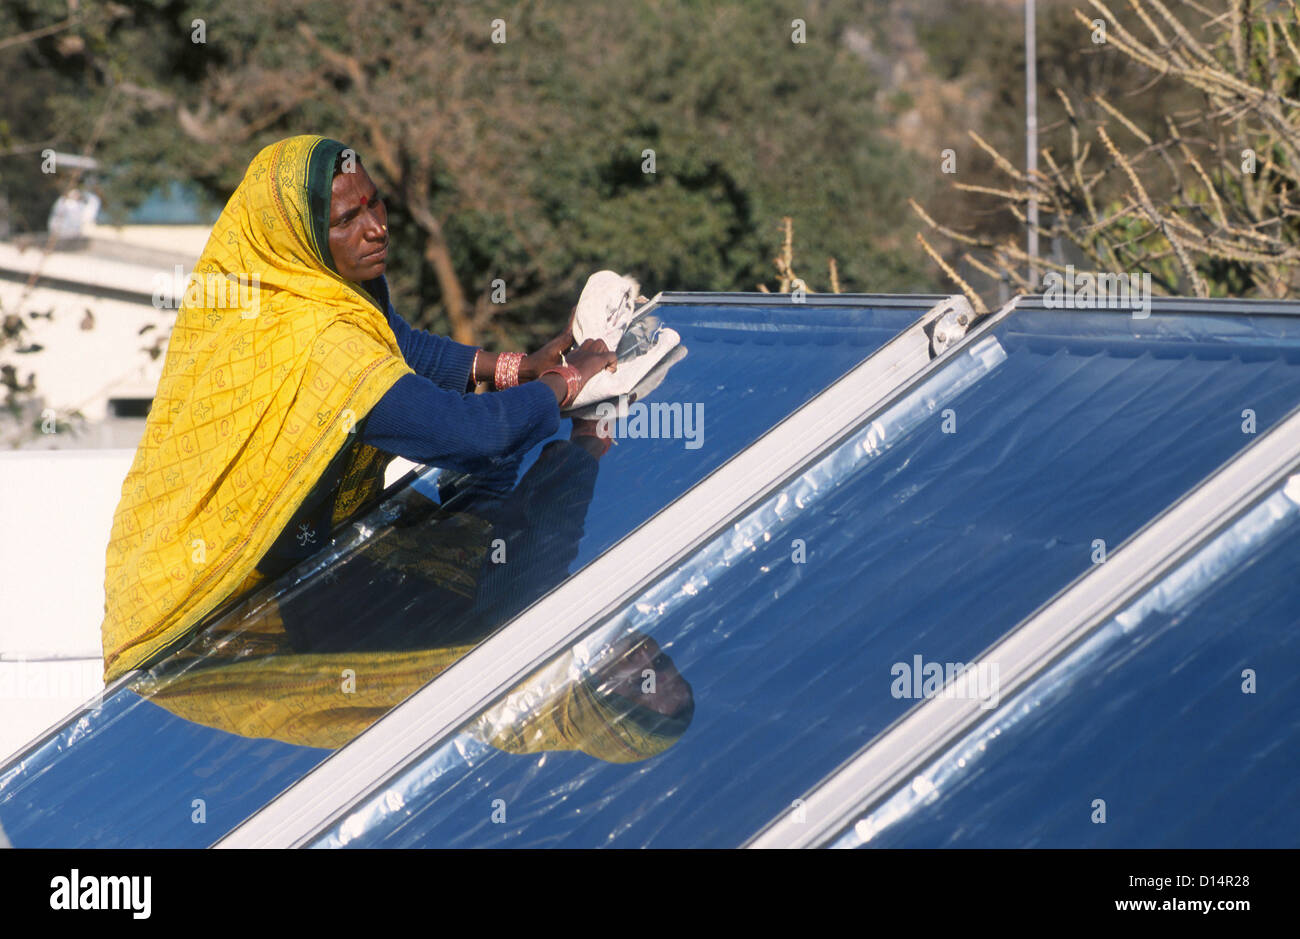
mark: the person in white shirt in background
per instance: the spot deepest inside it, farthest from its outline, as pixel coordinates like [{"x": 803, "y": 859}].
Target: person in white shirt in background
[{"x": 73, "y": 214}]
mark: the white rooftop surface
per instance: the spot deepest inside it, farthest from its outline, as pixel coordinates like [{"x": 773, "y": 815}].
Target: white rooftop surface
[
  {"x": 84, "y": 268},
  {"x": 188, "y": 240},
  {"x": 57, "y": 507},
  {"x": 153, "y": 250},
  {"x": 82, "y": 368}
]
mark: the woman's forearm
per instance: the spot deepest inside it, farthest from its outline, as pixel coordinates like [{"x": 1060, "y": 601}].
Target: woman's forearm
[
  {"x": 485, "y": 366},
  {"x": 421, "y": 422},
  {"x": 557, "y": 385}
]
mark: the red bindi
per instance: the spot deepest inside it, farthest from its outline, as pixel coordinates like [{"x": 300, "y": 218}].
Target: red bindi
[{"x": 365, "y": 201}]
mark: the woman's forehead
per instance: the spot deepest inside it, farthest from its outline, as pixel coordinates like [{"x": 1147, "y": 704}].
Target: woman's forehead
[{"x": 350, "y": 190}]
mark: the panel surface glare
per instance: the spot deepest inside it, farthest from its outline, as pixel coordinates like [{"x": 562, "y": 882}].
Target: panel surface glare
[{"x": 1176, "y": 725}]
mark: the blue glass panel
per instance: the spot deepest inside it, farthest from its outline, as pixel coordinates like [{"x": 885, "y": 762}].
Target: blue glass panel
[
  {"x": 1156, "y": 715},
  {"x": 260, "y": 697},
  {"x": 931, "y": 534}
]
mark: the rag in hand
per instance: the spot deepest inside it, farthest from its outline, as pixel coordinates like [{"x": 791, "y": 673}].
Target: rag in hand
[{"x": 607, "y": 310}]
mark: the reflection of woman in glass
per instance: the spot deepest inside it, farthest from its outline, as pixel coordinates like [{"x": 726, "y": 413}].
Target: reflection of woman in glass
[
  {"x": 634, "y": 704},
  {"x": 453, "y": 573},
  {"x": 288, "y": 377},
  {"x": 320, "y": 662}
]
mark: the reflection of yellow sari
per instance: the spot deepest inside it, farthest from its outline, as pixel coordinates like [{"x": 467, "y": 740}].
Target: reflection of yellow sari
[
  {"x": 260, "y": 389},
  {"x": 241, "y": 678}
]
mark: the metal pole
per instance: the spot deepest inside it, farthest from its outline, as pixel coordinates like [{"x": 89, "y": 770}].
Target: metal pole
[{"x": 1031, "y": 135}]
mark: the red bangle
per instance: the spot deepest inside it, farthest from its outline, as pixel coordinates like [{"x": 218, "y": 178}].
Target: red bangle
[
  {"x": 506, "y": 374},
  {"x": 572, "y": 380}
]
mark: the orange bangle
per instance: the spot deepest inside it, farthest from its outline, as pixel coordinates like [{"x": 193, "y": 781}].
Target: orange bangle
[{"x": 572, "y": 381}]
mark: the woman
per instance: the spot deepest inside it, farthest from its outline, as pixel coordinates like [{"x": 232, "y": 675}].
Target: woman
[
  {"x": 412, "y": 600},
  {"x": 278, "y": 400}
]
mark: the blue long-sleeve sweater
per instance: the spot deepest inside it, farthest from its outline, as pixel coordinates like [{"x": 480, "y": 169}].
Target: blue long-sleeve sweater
[
  {"x": 429, "y": 417},
  {"x": 538, "y": 523}
]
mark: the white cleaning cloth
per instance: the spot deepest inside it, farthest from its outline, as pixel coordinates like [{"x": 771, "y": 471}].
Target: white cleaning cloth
[
  {"x": 643, "y": 388},
  {"x": 606, "y": 306},
  {"x": 607, "y": 310}
]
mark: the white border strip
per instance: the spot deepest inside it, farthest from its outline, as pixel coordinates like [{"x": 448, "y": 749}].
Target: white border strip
[
  {"x": 900, "y": 752},
  {"x": 28, "y": 750},
  {"x": 559, "y": 618}
]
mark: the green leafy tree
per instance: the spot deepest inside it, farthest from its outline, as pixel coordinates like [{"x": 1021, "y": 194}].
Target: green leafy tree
[{"x": 662, "y": 139}]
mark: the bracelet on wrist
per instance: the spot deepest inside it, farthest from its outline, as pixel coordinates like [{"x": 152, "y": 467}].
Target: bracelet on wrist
[
  {"x": 506, "y": 374},
  {"x": 572, "y": 381}
]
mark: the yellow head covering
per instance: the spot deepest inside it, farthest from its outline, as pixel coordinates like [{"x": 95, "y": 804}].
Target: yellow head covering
[
  {"x": 578, "y": 717},
  {"x": 272, "y": 361}
]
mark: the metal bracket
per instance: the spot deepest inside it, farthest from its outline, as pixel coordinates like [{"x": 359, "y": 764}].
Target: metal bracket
[{"x": 955, "y": 318}]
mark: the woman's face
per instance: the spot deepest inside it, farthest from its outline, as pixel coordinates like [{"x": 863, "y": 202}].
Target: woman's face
[
  {"x": 627, "y": 677},
  {"x": 358, "y": 227}
]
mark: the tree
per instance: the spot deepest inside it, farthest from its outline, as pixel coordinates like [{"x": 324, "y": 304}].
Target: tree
[
  {"x": 1203, "y": 198},
  {"x": 665, "y": 140}
]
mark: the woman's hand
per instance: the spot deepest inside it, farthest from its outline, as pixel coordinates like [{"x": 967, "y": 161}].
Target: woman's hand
[
  {"x": 548, "y": 356},
  {"x": 594, "y": 436},
  {"x": 592, "y": 357},
  {"x": 589, "y": 359}
]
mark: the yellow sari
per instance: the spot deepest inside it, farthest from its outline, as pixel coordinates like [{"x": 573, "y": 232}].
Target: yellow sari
[{"x": 273, "y": 360}]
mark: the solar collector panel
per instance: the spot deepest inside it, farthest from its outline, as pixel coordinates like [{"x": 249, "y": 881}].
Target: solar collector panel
[
  {"x": 940, "y": 545},
  {"x": 130, "y": 773},
  {"x": 1151, "y": 714}
]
